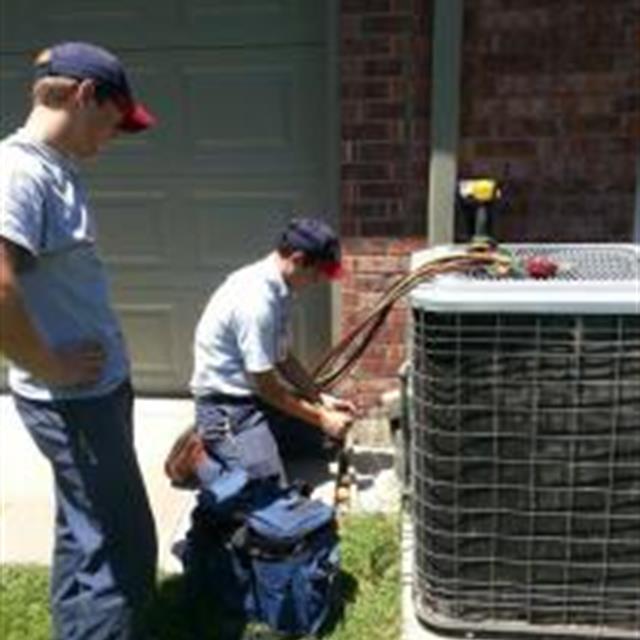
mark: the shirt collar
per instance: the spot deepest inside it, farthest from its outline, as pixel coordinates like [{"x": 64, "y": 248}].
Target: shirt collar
[
  {"x": 46, "y": 150},
  {"x": 274, "y": 276}
]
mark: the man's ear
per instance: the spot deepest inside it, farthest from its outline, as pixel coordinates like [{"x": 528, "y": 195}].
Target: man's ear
[
  {"x": 298, "y": 258},
  {"x": 86, "y": 92}
]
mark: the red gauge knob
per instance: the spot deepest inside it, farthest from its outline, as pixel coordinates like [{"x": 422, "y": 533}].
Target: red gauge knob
[{"x": 541, "y": 268}]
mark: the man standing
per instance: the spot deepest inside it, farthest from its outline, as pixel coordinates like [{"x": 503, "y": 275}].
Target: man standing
[
  {"x": 255, "y": 402},
  {"x": 69, "y": 370}
]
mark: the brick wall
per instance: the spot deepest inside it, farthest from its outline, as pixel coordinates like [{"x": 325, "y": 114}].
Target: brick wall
[
  {"x": 552, "y": 90},
  {"x": 550, "y": 94},
  {"x": 385, "y": 51}
]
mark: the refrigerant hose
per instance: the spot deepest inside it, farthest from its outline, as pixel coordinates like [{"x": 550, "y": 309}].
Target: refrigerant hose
[{"x": 340, "y": 359}]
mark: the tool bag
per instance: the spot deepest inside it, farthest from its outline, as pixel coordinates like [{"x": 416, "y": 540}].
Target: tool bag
[{"x": 271, "y": 555}]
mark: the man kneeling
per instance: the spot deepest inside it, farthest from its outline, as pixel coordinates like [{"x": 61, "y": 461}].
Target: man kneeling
[{"x": 255, "y": 403}]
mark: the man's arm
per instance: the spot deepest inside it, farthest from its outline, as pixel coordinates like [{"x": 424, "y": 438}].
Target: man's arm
[
  {"x": 21, "y": 342},
  {"x": 334, "y": 422},
  {"x": 295, "y": 374}
]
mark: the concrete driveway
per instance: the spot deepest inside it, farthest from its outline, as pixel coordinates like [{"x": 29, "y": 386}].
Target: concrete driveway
[{"x": 26, "y": 496}]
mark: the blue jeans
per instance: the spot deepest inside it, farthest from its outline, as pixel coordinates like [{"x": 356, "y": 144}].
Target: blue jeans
[
  {"x": 105, "y": 550},
  {"x": 259, "y": 438}
]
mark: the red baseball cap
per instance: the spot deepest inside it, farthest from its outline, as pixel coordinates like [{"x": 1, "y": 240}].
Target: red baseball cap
[
  {"x": 82, "y": 60},
  {"x": 333, "y": 270},
  {"x": 318, "y": 241}
]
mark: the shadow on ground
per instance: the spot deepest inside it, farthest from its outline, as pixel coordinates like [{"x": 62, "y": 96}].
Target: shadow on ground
[{"x": 176, "y": 615}]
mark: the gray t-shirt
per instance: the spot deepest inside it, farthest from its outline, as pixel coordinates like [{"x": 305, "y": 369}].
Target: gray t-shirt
[
  {"x": 245, "y": 328},
  {"x": 43, "y": 209}
]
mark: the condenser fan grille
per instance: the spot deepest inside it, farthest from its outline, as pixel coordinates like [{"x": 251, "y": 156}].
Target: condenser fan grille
[{"x": 526, "y": 460}]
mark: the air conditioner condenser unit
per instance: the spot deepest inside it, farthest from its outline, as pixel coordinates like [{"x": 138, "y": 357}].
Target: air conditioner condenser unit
[{"x": 525, "y": 426}]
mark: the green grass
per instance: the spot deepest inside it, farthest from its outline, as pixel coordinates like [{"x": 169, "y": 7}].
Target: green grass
[
  {"x": 24, "y": 610},
  {"x": 370, "y": 590}
]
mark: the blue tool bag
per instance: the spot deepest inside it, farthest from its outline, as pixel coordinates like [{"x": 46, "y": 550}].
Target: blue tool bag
[{"x": 270, "y": 555}]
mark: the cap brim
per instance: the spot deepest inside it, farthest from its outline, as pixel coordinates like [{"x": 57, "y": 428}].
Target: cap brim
[
  {"x": 137, "y": 118},
  {"x": 333, "y": 270}
]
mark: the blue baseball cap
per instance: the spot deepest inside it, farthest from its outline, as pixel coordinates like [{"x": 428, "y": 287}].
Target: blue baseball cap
[
  {"x": 318, "y": 241},
  {"x": 82, "y": 60}
]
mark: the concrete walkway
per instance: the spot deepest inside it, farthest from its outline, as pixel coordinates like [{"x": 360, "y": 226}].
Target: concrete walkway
[
  {"x": 26, "y": 497},
  {"x": 26, "y": 505}
]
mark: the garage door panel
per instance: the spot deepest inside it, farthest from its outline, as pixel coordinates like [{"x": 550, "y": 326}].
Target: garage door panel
[
  {"x": 311, "y": 327},
  {"x": 230, "y": 225},
  {"x": 173, "y": 226},
  {"x": 133, "y": 24},
  {"x": 259, "y": 107},
  {"x": 15, "y": 83},
  {"x": 135, "y": 228},
  {"x": 251, "y": 21},
  {"x": 27, "y": 25},
  {"x": 251, "y": 107},
  {"x": 222, "y": 112},
  {"x": 240, "y": 91},
  {"x": 159, "y": 325},
  {"x": 142, "y": 323},
  {"x": 158, "y": 329}
]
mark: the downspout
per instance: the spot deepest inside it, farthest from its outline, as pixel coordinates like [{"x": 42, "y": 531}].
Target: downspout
[
  {"x": 445, "y": 103},
  {"x": 636, "y": 225},
  {"x": 333, "y": 146}
]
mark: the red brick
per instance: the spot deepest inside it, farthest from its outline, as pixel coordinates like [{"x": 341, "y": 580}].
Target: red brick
[
  {"x": 381, "y": 228},
  {"x": 365, "y": 46},
  {"x": 628, "y": 103},
  {"x": 372, "y": 209},
  {"x": 593, "y": 125},
  {"x": 380, "y": 264},
  {"x": 405, "y": 246},
  {"x": 350, "y": 27},
  {"x": 371, "y": 151},
  {"x": 351, "y": 111},
  {"x": 362, "y": 90},
  {"x": 361, "y": 7},
  {"x": 385, "y": 67},
  {"x": 633, "y": 127},
  {"x": 365, "y": 172},
  {"x": 366, "y": 131},
  {"x": 505, "y": 148},
  {"x": 381, "y": 190},
  {"x": 384, "y": 110},
  {"x": 386, "y": 24}
]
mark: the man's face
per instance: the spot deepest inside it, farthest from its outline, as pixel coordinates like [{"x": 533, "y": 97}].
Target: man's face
[
  {"x": 95, "y": 123},
  {"x": 303, "y": 275},
  {"x": 101, "y": 125}
]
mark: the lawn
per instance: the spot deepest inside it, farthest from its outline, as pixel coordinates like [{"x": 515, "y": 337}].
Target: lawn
[{"x": 369, "y": 584}]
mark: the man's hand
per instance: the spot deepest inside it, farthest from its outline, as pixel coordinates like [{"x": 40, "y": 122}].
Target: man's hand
[
  {"x": 75, "y": 365},
  {"x": 335, "y": 423},
  {"x": 338, "y": 404},
  {"x": 78, "y": 364}
]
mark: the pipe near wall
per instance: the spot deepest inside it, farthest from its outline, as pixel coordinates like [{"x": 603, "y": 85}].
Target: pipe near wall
[
  {"x": 636, "y": 225},
  {"x": 445, "y": 101}
]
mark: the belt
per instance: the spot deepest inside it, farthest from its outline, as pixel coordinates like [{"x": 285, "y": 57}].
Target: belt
[
  {"x": 227, "y": 398},
  {"x": 246, "y": 412}
]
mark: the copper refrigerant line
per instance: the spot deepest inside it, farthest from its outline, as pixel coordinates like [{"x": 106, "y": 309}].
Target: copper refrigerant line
[{"x": 342, "y": 357}]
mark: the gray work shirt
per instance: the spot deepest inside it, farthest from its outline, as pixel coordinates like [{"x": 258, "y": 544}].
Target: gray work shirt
[
  {"x": 245, "y": 328},
  {"x": 43, "y": 209}
]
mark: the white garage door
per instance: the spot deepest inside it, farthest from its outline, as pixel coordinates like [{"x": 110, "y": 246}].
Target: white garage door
[{"x": 240, "y": 88}]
